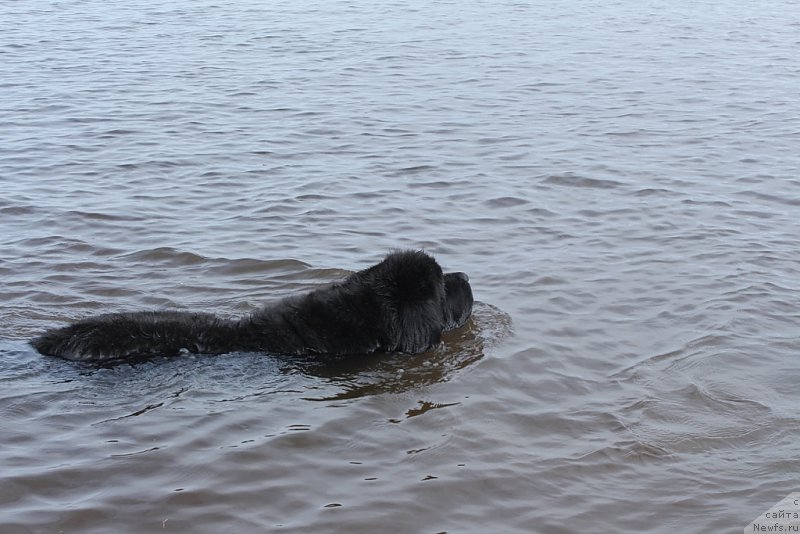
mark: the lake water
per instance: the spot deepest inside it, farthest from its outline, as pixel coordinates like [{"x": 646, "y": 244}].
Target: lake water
[{"x": 620, "y": 180}]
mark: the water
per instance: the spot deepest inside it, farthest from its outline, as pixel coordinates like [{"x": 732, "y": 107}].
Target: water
[{"x": 619, "y": 179}]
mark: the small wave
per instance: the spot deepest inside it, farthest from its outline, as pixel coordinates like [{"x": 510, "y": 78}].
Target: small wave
[
  {"x": 106, "y": 217},
  {"x": 697, "y": 416},
  {"x": 572, "y": 180},
  {"x": 166, "y": 256},
  {"x": 254, "y": 266},
  {"x": 688, "y": 350},
  {"x": 786, "y": 200},
  {"x": 505, "y": 202}
]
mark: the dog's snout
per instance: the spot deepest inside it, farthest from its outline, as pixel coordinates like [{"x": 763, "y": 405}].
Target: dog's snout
[{"x": 462, "y": 276}]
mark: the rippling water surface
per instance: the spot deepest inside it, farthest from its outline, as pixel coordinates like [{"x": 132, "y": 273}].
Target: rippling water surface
[{"x": 621, "y": 181}]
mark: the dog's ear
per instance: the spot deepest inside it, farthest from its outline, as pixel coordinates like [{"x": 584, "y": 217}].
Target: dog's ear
[
  {"x": 411, "y": 286},
  {"x": 419, "y": 327}
]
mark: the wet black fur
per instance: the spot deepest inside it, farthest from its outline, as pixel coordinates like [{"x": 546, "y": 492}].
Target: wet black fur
[{"x": 402, "y": 304}]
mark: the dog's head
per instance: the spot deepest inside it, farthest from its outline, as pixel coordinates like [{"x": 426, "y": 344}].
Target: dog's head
[
  {"x": 419, "y": 301},
  {"x": 457, "y": 301}
]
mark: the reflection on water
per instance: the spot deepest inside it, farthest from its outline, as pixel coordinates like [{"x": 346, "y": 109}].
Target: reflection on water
[{"x": 359, "y": 376}]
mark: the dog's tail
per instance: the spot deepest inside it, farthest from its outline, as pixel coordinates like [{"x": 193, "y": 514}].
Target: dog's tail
[{"x": 121, "y": 336}]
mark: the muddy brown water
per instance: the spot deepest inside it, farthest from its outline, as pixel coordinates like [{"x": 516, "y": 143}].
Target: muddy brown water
[{"x": 620, "y": 180}]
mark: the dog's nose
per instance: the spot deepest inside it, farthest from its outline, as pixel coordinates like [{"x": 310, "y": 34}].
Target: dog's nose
[{"x": 463, "y": 276}]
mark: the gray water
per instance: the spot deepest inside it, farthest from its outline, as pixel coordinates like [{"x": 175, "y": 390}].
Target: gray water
[{"x": 619, "y": 179}]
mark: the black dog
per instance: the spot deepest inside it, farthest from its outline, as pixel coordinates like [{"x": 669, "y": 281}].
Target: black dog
[{"x": 402, "y": 304}]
